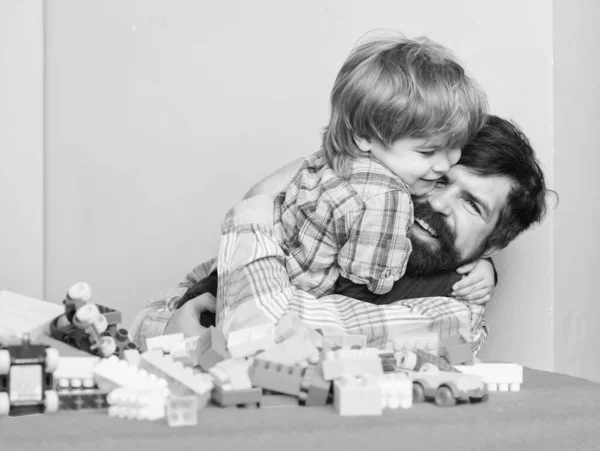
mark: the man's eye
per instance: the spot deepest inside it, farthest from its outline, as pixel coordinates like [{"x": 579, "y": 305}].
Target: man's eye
[{"x": 473, "y": 205}]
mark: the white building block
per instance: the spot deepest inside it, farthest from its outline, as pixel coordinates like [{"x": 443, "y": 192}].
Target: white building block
[
  {"x": 497, "y": 376},
  {"x": 163, "y": 342},
  {"x": 357, "y": 395},
  {"x": 353, "y": 362}
]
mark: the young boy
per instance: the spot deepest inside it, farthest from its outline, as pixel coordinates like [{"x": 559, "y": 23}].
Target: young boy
[{"x": 400, "y": 112}]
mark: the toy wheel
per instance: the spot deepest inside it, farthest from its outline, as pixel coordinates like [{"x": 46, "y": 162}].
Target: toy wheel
[
  {"x": 86, "y": 316},
  {"x": 107, "y": 347},
  {"x": 4, "y": 404},
  {"x": 80, "y": 291},
  {"x": 52, "y": 359},
  {"x": 101, "y": 324},
  {"x": 418, "y": 393},
  {"x": 4, "y": 361},
  {"x": 444, "y": 397},
  {"x": 51, "y": 402}
]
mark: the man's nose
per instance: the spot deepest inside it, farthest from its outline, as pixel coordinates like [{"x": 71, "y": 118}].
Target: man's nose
[{"x": 440, "y": 203}]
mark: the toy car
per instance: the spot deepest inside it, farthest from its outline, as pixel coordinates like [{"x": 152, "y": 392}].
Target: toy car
[
  {"x": 26, "y": 378},
  {"x": 446, "y": 388}
]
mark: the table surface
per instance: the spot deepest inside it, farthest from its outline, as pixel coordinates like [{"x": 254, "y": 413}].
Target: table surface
[{"x": 552, "y": 411}]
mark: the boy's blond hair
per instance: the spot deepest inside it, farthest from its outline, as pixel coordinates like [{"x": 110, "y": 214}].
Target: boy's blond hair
[{"x": 392, "y": 87}]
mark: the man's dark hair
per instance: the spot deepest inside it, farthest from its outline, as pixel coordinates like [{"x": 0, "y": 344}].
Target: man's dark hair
[{"x": 502, "y": 149}]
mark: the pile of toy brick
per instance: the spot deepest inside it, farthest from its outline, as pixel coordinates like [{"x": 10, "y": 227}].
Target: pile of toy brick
[{"x": 277, "y": 364}]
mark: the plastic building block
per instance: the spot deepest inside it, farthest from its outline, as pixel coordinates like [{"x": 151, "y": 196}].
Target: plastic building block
[
  {"x": 278, "y": 400},
  {"x": 276, "y": 377},
  {"x": 352, "y": 362},
  {"x": 26, "y": 379},
  {"x": 211, "y": 349},
  {"x": 357, "y": 395},
  {"x": 290, "y": 324},
  {"x": 75, "y": 372},
  {"x": 163, "y": 342},
  {"x": 446, "y": 389},
  {"x": 112, "y": 373},
  {"x": 314, "y": 390},
  {"x": 76, "y": 368},
  {"x": 82, "y": 399},
  {"x": 292, "y": 351},
  {"x": 239, "y": 398},
  {"x": 497, "y": 376},
  {"x": 113, "y": 317},
  {"x": 231, "y": 374},
  {"x": 74, "y": 383},
  {"x": 457, "y": 351},
  {"x": 181, "y": 380},
  {"x": 249, "y": 341},
  {"x": 396, "y": 390},
  {"x": 182, "y": 411},
  {"x": 425, "y": 341},
  {"x": 137, "y": 403},
  {"x": 121, "y": 338},
  {"x": 132, "y": 356},
  {"x": 346, "y": 341}
]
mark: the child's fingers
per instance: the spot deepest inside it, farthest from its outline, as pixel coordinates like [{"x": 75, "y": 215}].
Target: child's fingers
[
  {"x": 474, "y": 295},
  {"x": 465, "y": 284},
  {"x": 464, "y": 269},
  {"x": 478, "y": 298}
]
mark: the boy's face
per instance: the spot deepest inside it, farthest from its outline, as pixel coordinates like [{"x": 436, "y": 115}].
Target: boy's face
[{"x": 419, "y": 162}]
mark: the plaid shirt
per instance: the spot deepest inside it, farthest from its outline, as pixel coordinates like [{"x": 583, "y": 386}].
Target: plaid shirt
[
  {"x": 354, "y": 224},
  {"x": 254, "y": 288}
]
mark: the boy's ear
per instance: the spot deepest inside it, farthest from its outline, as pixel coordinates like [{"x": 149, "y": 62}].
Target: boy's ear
[{"x": 364, "y": 144}]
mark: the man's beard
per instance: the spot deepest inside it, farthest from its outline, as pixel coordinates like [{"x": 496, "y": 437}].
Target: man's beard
[{"x": 426, "y": 259}]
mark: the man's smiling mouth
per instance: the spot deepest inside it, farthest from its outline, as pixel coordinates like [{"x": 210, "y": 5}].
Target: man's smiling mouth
[{"x": 426, "y": 227}]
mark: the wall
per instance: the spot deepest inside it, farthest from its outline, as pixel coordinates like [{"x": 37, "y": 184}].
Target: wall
[
  {"x": 576, "y": 119},
  {"x": 21, "y": 147},
  {"x": 160, "y": 115}
]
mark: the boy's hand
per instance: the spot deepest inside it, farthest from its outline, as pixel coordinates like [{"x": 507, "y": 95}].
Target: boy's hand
[
  {"x": 277, "y": 182},
  {"x": 186, "y": 319},
  {"x": 477, "y": 285}
]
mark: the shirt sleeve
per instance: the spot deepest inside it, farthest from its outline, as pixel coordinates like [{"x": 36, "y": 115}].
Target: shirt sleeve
[
  {"x": 254, "y": 288},
  {"x": 153, "y": 318},
  {"x": 377, "y": 249}
]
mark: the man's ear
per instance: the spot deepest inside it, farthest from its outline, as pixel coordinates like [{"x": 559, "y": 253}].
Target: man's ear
[
  {"x": 364, "y": 144},
  {"x": 490, "y": 252}
]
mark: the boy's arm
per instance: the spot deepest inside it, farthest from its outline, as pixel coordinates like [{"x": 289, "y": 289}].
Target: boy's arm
[
  {"x": 254, "y": 288},
  {"x": 376, "y": 247}
]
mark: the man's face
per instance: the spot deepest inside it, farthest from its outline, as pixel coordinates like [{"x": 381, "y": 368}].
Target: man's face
[{"x": 454, "y": 221}]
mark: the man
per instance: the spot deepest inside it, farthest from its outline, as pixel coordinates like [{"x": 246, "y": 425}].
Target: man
[{"x": 495, "y": 192}]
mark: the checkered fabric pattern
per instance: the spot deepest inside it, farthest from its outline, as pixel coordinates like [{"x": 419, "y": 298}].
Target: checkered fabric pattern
[
  {"x": 254, "y": 288},
  {"x": 353, "y": 223}
]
